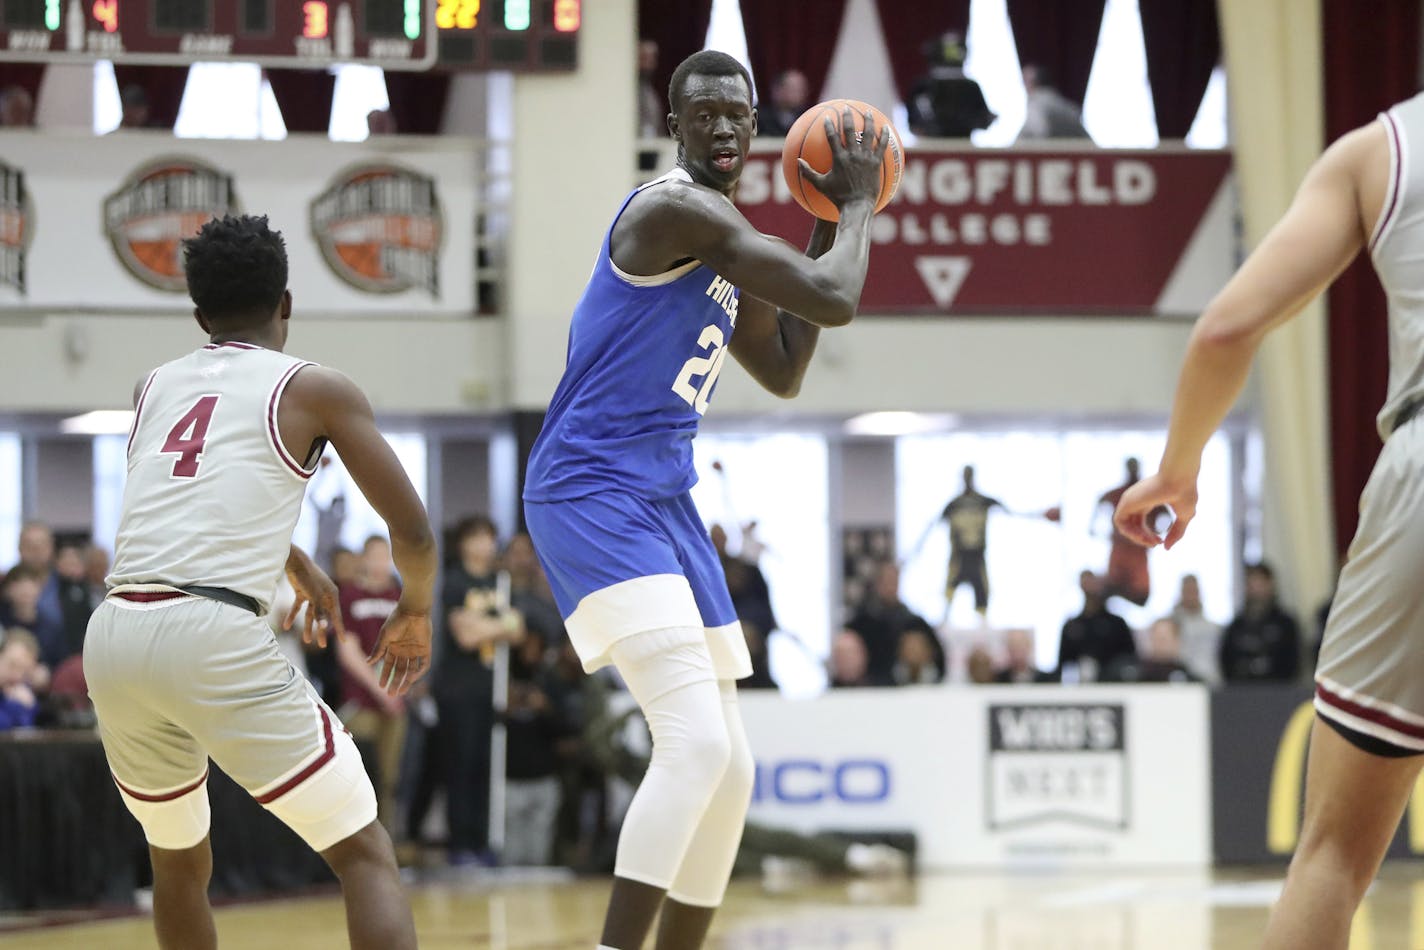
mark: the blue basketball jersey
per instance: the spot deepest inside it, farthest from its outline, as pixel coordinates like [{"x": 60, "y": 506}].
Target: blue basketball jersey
[{"x": 644, "y": 355}]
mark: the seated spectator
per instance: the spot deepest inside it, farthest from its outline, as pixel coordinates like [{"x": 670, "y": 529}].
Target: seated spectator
[
  {"x": 849, "y": 662},
  {"x": 915, "y": 660},
  {"x": 1162, "y": 662},
  {"x": 534, "y": 731},
  {"x": 136, "y": 114},
  {"x": 17, "y": 108},
  {"x": 1021, "y": 669},
  {"x": 790, "y": 96},
  {"x": 746, "y": 584},
  {"x": 761, "y": 661},
  {"x": 652, "y": 106},
  {"x": 1094, "y": 639},
  {"x": 368, "y": 711},
  {"x": 980, "y": 666},
  {"x": 73, "y": 590},
  {"x": 1049, "y": 114},
  {"x": 44, "y": 615},
  {"x": 882, "y": 619},
  {"x": 1201, "y": 639},
  {"x": 96, "y": 573},
  {"x": 380, "y": 122},
  {"x": 19, "y": 660},
  {"x": 1263, "y": 642},
  {"x": 945, "y": 103}
]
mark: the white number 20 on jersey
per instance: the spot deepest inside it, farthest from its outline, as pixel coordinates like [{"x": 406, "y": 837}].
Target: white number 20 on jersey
[{"x": 707, "y": 367}]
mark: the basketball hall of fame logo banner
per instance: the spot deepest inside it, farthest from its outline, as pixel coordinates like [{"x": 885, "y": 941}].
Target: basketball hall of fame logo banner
[
  {"x": 1030, "y": 232},
  {"x": 160, "y": 205},
  {"x": 17, "y": 227},
  {"x": 380, "y": 230},
  {"x": 364, "y": 235}
]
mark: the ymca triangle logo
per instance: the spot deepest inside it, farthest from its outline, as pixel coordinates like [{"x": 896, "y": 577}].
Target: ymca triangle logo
[{"x": 943, "y": 276}]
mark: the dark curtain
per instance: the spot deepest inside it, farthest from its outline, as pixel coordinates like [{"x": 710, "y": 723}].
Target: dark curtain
[
  {"x": 1371, "y": 62},
  {"x": 679, "y": 29},
  {"x": 27, "y": 76},
  {"x": 164, "y": 87},
  {"x": 418, "y": 101},
  {"x": 1059, "y": 37},
  {"x": 782, "y": 36},
  {"x": 1183, "y": 45},
  {"x": 304, "y": 96},
  {"x": 906, "y": 33}
]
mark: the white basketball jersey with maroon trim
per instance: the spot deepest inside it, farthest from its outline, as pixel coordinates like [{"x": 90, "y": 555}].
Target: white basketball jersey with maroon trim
[
  {"x": 1397, "y": 250},
  {"x": 212, "y": 493}
]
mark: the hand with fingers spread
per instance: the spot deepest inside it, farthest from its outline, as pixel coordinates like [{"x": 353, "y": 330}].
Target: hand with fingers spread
[
  {"x": 402, "y": 654},
  {"x": 317, "y": 593},
  {"x": 1144, "y": 502},
  {"x": 856, "y": 159}
]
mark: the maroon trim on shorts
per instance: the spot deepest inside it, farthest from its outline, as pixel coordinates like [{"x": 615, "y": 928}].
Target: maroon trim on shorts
[
  {"x": 1375, "y": 716},
  {"x": 1395, "y": 185},
  {"x": 149, "y": 596},
  {"x": 327, "y": 754},
  {"x": 166, "y": 796}
]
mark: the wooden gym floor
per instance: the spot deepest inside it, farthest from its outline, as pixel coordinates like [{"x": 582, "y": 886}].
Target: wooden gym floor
[{"x": 1102, "y": 911}]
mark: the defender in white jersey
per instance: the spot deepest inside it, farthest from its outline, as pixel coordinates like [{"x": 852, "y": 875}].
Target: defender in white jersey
[
  {"x": 1366, "y": 191},
  {"x": 180, "y": 662}
]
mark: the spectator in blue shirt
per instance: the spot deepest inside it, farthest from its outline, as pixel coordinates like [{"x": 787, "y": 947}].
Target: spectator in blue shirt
[{"x": 19, "y": 660}]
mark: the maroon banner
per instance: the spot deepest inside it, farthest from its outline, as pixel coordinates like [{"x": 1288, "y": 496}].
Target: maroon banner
[{"x": 1031, "y": 232}]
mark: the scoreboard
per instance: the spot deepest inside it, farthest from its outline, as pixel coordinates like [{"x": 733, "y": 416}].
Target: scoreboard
[
  {"x": 393, "y": 34},
  {"x": 521, "y": 35},
  {"x": 517, "y": 35}
]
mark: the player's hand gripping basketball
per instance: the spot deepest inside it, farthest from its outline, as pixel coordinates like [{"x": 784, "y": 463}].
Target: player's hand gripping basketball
[
  {"x": 1143, "y": 503},
  {"x": 856, "y": 160},
  {"x": 317, "y": 593},
  {"x": 402, "y": 654}
]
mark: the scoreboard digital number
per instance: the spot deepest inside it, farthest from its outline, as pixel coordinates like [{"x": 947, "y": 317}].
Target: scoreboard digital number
[
  {"x": 516, "y": 35},
  {"x": 393, "y": 34}
]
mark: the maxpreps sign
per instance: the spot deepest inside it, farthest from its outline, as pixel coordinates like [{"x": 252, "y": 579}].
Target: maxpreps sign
[{"x": 1099, "y": 232}]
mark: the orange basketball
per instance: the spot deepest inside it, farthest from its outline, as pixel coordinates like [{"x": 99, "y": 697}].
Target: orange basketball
[{"x": 807, "y": 139}]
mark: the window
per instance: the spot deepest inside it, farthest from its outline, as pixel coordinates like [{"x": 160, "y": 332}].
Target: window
[
  {"x": 229, "y": 101},
  {"x": 11, "y": 498},
  {"x": 1117, "y": 106},
  {"x": 111, "y": 467},
  {"x": 1033, "y": 564},
  {"x": 323, "y": 523},
  {"x": 778, "y": 481},
  {"x": 359, "y": 89}
]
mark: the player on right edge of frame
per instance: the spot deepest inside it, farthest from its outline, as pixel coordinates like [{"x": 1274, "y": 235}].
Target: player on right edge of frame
[{"x": 1364, "y": 192}]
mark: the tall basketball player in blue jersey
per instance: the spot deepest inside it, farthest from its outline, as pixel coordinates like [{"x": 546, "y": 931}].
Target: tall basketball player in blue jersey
[{"x": 681, "y": 281}]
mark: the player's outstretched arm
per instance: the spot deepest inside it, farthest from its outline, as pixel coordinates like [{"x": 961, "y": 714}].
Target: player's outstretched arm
[
  {"x": 775, "y": 346},
  {"x": 317, "y": 593},
  {"x": 1316, "y": 239},
  {"x": 327, "y": 404}
]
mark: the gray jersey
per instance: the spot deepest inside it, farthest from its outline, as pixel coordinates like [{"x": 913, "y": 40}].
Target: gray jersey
[
  {"x": 212, "y": 494},
  {"x": 1397, "y": 250}
]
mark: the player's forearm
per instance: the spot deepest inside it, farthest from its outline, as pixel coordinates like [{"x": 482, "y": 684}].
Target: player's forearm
[
  {"x": 844, "y": 263},
  {"x": 1214, "y": 372},
  {"x": 416, "y": 562},
  {"x": 798, "y": 336}
]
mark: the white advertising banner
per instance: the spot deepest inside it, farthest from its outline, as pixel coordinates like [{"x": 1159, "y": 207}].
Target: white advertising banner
[
  {"x": 994, "y": 776},
  {"x": 383, "y": 227}
]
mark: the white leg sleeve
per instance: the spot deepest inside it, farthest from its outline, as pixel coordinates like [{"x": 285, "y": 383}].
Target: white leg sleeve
[
  {"x": 702, "y": 879},
  {"x": 669, "y": 673}
]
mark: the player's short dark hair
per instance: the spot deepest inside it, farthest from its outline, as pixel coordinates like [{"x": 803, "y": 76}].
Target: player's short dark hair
[
  {"x": 708, "y": 62},
  {"x": 237, "y": 270},
  {"x": 473, "y": 525}
]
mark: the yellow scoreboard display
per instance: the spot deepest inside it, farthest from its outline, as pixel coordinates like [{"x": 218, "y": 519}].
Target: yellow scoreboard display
[{"x": 519, "y": 35}]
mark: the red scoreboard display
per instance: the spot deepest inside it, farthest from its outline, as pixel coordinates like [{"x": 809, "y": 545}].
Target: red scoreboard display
[
  {"x": 519, "y": 35},
  {"x": 394, "y": 34}
]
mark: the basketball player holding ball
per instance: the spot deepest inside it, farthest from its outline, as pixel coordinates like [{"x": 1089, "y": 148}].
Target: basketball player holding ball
[
  {"x": 1367, "y": 744},
  {"x": 607, "y": 494},
  {"x": 180, "y": 661}
]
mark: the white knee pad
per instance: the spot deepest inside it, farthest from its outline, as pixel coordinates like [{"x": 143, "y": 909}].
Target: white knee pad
[
  {"x": 175, "y": 823},
  {"x": 701, "y": 880},
  {"x": 333, "y": 803}
]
